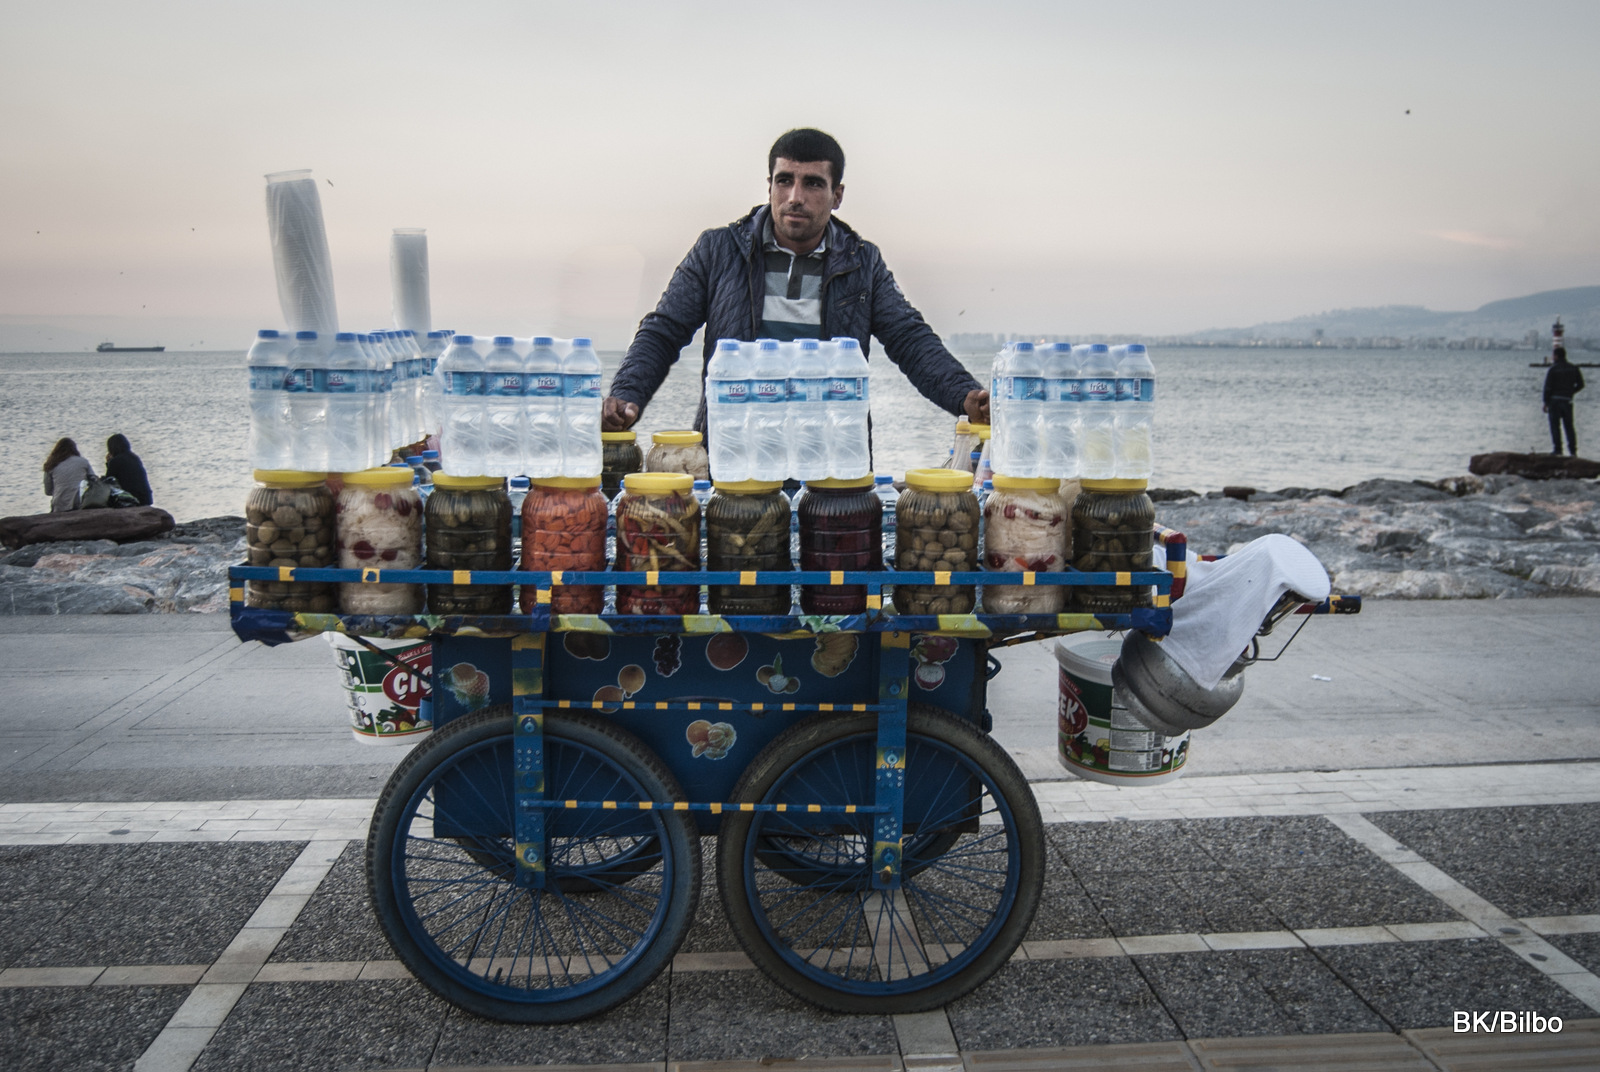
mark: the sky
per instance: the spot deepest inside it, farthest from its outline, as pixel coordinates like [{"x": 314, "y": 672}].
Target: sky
[{"x": 1150, "y": 168}]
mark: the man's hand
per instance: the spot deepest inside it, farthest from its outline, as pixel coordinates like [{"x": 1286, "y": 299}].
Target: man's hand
[
  {"x": 976, "y": 404},
  {"x": 617, "y": 415}
]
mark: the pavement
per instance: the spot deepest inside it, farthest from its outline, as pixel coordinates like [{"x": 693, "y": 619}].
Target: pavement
[{"x": 1347, "y": 867}]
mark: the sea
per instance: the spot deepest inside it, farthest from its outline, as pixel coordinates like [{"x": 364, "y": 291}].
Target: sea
[{"x": 1255, "y": 417}]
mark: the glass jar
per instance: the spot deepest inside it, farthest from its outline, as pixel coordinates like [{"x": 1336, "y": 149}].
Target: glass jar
[
  {"x": 841, "y": 528},
  {"x": 1027, "y": 527},
  {"x": 289, "y": 522},
  {"x": 747, "y": 528},
  {"x": 678, "y": 452},
  {"x": 620, "y": 455},
  {"x": 469, "y": 528},
  {"x": 936, "y": 529},
  {"x": 379, "y": 521},
  {"x": 564, "y": 528},
  {"x": 658, "y": 528},
  {"x": 1113, "y": 531}
]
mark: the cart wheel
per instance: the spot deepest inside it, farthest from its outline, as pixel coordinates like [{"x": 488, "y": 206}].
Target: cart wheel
[
  {"x": 620, "y": 891},
  {"x": 809, "y": 916}
]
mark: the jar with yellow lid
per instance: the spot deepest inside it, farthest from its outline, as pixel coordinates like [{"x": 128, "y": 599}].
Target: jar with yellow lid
[
  {"x": 841, "y": 528},
  {"x": 936, "y": 531},
  {"x": 564, "y": 528},
  {"x": 1113, "y": 531},
  {"x": 379, "y": 524},
  {"x": 289, "y": 523},
  {"x": 658, "y": 529},
  {"x": 469, "y": 528},
  {"x": 620, "y": 455},
  {"x": 1027, "y": 528},
  {"x": 678, "y": 452},
  {"x": 747, "y": 529}
]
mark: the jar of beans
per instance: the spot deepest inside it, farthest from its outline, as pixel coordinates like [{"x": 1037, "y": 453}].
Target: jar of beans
[
  {"x": 620, "y": 455},
  {"x": 289, "y": 522},
  {"x": 469, "y": 528},
  {"x": 1113, "y": 531},
  {"x": 658, "y": 529},
  {"x": 841, "y": 528},
  {"x": 379, "y": 515},
  {"x": 936, "y": 531},
  {"x": 564, "y": 528},
  {"x": 747, "y": 529},
  {"x": 678, "y": 452},
  {"x": 1026, "y": 528}
]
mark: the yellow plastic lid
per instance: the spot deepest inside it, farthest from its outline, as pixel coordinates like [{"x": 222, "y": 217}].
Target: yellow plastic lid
[
  {"x": 983, "y": 430},
  {"x": 1115, "y": 485},
  {"x": 963, "y": 426},
  {"x": 940, "y": 479},
  {"x": 747, "y": 487},
  {"x": 568, "y": 481},
  {"x": 657, "y": 483},
  {"x": 677, "y": 439},
  {"x": 288, "y": 478},
  {"x": 388, "y": 476},
  {"x": 468, "y": 483},
  {"x": 1025, "y": 483},
  {"x": 841, "y": 483},
  {"x": 619, "y": 437}
]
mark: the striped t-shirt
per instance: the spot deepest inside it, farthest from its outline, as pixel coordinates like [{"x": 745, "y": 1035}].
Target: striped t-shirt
[{"x": 792, "y": 308}]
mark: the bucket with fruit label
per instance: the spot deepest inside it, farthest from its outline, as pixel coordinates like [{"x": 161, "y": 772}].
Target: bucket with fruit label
[
  {"x": 1097, "y": 738},
  {"x": 389, "y": 703}
]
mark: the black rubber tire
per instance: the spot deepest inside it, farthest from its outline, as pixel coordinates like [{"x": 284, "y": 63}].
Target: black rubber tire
[{"x": 480, "y": 744}]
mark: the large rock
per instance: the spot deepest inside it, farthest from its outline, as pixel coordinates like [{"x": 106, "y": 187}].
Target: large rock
[
  {"x": 134, "y": 523},
  {"x": 1535, "y": 466}
]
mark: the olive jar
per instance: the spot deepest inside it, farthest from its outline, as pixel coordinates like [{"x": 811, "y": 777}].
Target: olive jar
[
  {"x": 379, "y": 523},
  {"x": 1027, "y": 528},
  {"x": 1113, "y": 531},
  {"x": 469, "y": 528},
  {"x": 289, "y": 523},
  {"x": 620, "y": 455},
  {"x": 678, "y": 452},
  {"x": 564, "y": 528},
  {"x": 936, "y": 524},
  {"x": 747, "y": 529},
  {"x": 841, "y": 528},
  {"x": 658, "y": 529}
]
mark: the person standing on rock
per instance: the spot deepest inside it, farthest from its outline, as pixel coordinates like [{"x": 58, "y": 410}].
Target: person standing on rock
[
  {"x": 64, "y": 470},
  {"x": 124, "y": 466},
  {"x": 1561, "y": 383}
]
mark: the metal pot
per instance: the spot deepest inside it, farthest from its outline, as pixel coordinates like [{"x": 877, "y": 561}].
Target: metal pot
[{"x": 1160, "y": 694}]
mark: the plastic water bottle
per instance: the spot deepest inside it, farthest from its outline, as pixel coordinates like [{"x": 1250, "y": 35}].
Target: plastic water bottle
[
  {"x": 502, "y": 408},
  {"x": 420, "y": 470},
  {"x": 883, "y": 484},
  {"x": 702, "y": 495},
  {"x": 808, "y": 410},
  {"x": 727, "y": 412},
  {"x": 414, "y": 372},
  {"x": 430, "y": 458},
  {"x": 428, "y": 390},
  {"x": 1135, "y": 414},
  {"x": 271, "y": 430},
  {"x": 349, "y": 409},
  {"x": 1017, "y": 446},
  {"x": 378, "y": 365},
  {"x": 461, "y": 437},
  {"x": 1062, "y": 397},
  {"x": 997, "y": 396},
  {"x": 848, "y": 405},
  {"x": 541, "y": 399},
  {"x": 769, "y": 412},
  {"x": 580, "y": 410},
  {"x": 517, "y": 490},
  {"x": 306, "y": 384},
  {"x": 1096, "y": 451}
]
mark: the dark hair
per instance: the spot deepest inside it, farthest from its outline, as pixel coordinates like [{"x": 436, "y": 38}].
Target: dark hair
[
  {"x": 64, "y": 449},
  {"x": 806, "y": 146},
  {"x": 1560, "y": 353},
  {"x": 117, "y": 444}
]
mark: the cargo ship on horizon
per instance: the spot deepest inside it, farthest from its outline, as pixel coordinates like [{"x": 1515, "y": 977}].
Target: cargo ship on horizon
[{"x": 113, "y": 348}]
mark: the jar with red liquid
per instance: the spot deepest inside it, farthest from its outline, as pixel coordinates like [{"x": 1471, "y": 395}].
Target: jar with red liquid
[
  {"x": 841, "y": 528},
  {"x": 658, "y": 529},
  {"x": 564, "y": 528}
]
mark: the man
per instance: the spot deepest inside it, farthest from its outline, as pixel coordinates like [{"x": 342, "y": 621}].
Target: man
[
  {"x": 1561, "y": 383},
  {"x": 789, "y": 270}
]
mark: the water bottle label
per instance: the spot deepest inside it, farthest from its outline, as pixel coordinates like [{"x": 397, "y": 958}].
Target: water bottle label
[
  {"x": 847, "y": 389},
  {"x": 769, "y": 390},
  {"x": 1024, "y": 389},
  {"x": 1067, "y": 390},
  {"x": 1147, "y": 389},
  {"x": 305, "y": 381},
  {"x": 347, "y": 381},
  {"x": 463, "y": 383},
  {"x": 267, "y": 377},
  {"x": 1127, "y": 389},
  {"x": 581, "y": 385},
  {"x": 429, "y": 364},
  {"x": 1099, "y": 390},
  {"x": 503, "y": 384},
  {"x": 383, "y": 379},
  {"x": 808, "y": 388},
  {"x": 542, "y": 385},
  {"x": 730, "y": 392}
]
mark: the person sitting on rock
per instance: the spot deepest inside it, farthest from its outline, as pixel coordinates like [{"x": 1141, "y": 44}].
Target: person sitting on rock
[
  {"x": 124, "y": 466},
  {"x": 1561, "y": 383},
  {"x": 65, "y": 470}
]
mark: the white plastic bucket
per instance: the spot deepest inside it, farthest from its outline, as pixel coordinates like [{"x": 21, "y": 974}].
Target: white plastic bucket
[
  {"x": 1096, "y": 738},
  {"x": 384, "y": 699}
]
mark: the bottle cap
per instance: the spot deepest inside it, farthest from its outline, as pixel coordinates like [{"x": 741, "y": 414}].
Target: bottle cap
[
  {"x": 468, "y": 483},
  {"x": 618, "y": 437},
  {"x": 305, "y": 334},
  {"x": 436, "y": 334},
  {"x": 568, "y": 482},
  {"x": 345, "y": 336},
  {"x": 834, "y": 483},
  {"x": 1099, "y": 348},
  {"x": 767, "y": 344},
  {"x": 727, "y": 345},
  {"x": 521, "y": 482},
  {"x": 745, "y": 487},
  {"x": 462, "y": 340},
  {"x": 657, "y": 483},
  {"x": 1136, "y": 348},
  {"x": 543, "y": 340},
  {"x": 809, "y": 344},
  {"x": 982, "y": 430},
  {"x": 504, "y": 340},
  {"x": 845, "y": 342},
  {"x": 267, "y": 333},
  {"x": 389, "y": 476},
  {"x": 413, "y": 459},
  {"x": 963, "y": 426},
  {"x": 939, "y": 479},
  {"x": 701, "y": 485},
  {"x": 1115, "y": 485},
  {"x": 430, "y": 455},
  {"x": 581, "y": 341},
  {"x": 676, "y": 439},
  {"x": 1025, "y": 483},
  {"x": 1024, "y": 347},
  {"x": 883, "y": 478},
  {"x": 288, "y": 478}
]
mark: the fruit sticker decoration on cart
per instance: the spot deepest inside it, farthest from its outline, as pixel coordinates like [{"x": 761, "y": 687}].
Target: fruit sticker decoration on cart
[
  {"x": 592, "y": 646},
  {"x": 668, "y": 654},
  {"x": 710, "y": 740},
  {"x": 469, "y": 686},
  {"x": 724, "y": 651},
  {"x": 630, "y": 679},
  {"x": 834, "y": 652},
  {"x": 930, "y": 654},
  {"x": 774, "y": 678}
]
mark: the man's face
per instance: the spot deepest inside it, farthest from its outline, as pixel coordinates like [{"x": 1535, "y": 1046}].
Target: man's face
[{"x": 803, "y": 198}]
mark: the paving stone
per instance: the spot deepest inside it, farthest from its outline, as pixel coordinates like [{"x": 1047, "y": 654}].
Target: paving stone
[
  {"x": 1422, "y": 984},
  {"x": 312, "y": 1027},
  {"x": 1156, "y": 845},
  {"x": 1583, "y": 948},
  {"x": 1061, "y": 1003},
  {"x": 1361, "y": 894},
  {"x": 1254, "y": 992},
  {"x": 1364, "y": 1052},
  {"x": 1158, "y": 902},
  {"x": 1065, "y": 909},
  {"x": 61, "y": 873},
  {"x": 25, "y": 923},
  {"x": 82, "y": 1029},
  {"x": 337, "y": 923},
  {"x": 1143, "y": 1056},
  {"x": 635, "y": 1031},
  {"x": 1279, "y": 841},
  {"x": 710, "y": 931},
  {"x": 741, "y": 1016},
  {"x": 176, "y": 868}
]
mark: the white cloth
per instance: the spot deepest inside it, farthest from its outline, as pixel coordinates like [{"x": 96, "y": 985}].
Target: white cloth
[{"x": 1224, "y": 602}]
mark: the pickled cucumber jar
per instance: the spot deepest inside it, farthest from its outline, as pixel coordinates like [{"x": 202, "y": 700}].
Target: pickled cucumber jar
[
  {"x": 747, "y": 528},
  {"x": 678, "y": 452},
  {"x": 289, "y": 522},
  {"x": 1027, "y": 527},
  {"x": 564, "y": 528},
  {"x": 841, "y": 528},
  {"x": 469, "y": 528},
  {"x": 379, "y": 524},
  {"x": 936, "y": 529},
  {"x": 1113, "y": 531},
  {"x": 658, "y": 529},
  {"x": 619, "y": 456}
]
